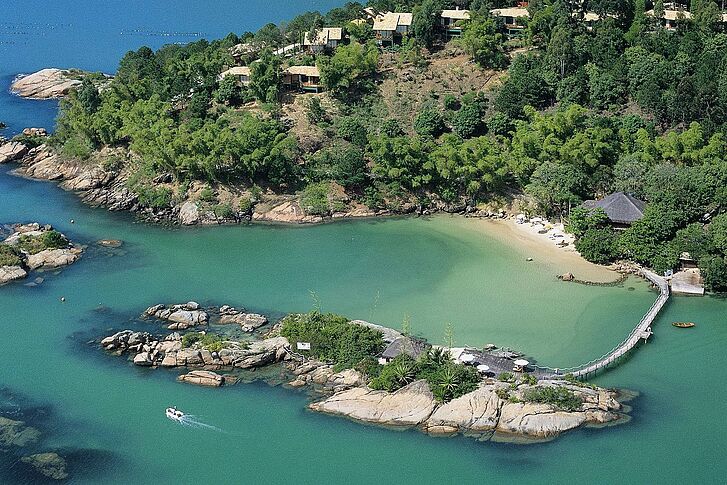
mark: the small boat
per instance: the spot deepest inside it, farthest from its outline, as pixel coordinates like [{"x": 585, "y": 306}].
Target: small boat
[
  {"x": 683, "y": 324},
  {"x": 174, "y": 414}
]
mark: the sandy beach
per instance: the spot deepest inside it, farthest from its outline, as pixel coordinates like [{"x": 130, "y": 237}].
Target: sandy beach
[{"x": 525, "y": 239}]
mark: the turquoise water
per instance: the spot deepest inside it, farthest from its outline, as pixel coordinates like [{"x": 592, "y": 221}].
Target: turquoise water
[{"x": 107, "y": 415}]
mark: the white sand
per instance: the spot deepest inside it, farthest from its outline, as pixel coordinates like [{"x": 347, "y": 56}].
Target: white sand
[{"x": 525, "y": 239}]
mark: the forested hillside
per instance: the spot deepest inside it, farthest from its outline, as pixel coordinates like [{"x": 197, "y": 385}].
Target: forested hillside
[{"x": 584, "y": 109}]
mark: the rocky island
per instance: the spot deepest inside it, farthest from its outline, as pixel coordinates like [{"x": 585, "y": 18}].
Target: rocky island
[
  {"x": 50, "y": 83},
  {"x": 428, "y": 390},
  {"x": 34, "y": 247}
]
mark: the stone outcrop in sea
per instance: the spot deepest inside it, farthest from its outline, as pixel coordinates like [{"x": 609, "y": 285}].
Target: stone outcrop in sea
[
  {"x": 483, "y": 411},
  {"x": 48, "y": 83},
  {"x": 25, "y": 245}
]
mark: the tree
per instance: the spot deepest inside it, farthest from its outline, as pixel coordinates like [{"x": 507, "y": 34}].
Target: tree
[
  {"x": 426, "y": 21},
  {"x": 265, "y": 78},
  {"x": 468, "y": 122},
  {"x": 347, "y": 72},
  {"x": 597, "y": 244},
  {"x": 556, "y": 186},
  {"x": 429, "y": 121},
  {"x": 482, "y": 41}
]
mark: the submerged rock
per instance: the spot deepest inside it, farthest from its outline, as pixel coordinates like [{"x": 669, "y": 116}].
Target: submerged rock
[
  {"x": 51, "y": 465},
  {"x": 15, "y": 433}
]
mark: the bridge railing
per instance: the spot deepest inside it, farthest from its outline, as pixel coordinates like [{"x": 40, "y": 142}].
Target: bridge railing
[{"x": 631, "y": 339}]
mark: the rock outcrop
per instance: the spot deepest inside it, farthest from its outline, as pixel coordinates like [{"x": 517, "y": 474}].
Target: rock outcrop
[
  {"x": 51, "y": 465},
  {"x": 409, "y": 406},
  {"x": 11, "y": 273},
  {"x": 189, "y": 213},
  {"x": 12, "y": 151},
  {"x": 481, "y": 411},
  {"x": 28, "y": 254},
  {"x": 181, "y": 316},
  {"x": 47, "y": 84},
  {"x": 203, "y": 378},
  {"x": 248, "y": 322},
  {"x": 147, "y": 350},
  {"x": 53, "y": 258}
]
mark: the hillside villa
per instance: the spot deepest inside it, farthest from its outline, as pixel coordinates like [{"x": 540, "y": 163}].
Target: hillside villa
[
  {"x": 327, "y": 39},
  {"x": 305, "y": 78},
  {"x": 391, "y": 27},
  {"x": 241, "y": 73},
  {"x": 510, "y": 17},
  {"x": 451, "y": 21}
]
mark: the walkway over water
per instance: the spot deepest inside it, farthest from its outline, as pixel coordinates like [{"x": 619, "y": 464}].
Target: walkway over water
[{"x": 641, "y": 331}]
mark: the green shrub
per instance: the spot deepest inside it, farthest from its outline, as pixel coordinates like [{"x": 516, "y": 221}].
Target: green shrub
[
  {"x": 506, "y": 377},
  {"x": 429, "y": 122},
  {"x": 450, "y": 102},
  {"x": 529, "y": 379},
  {"x": 154, "y": 197},
  {"x": 223, "y": 211},
  {"x": 46, "y": 240},
  {"x": 559, "y": 397},
  {"x": 77, "y": 147},
  {"x": 332, "y": 337},
  {"x": 9, "y": 256},
  {"x": 207, "y": 195},
  {"x": 503, "y": 393},
  {"x": 316, "y": 199},
  {"x": 208, "y": 341},
  {"x": 246, "y": 205},
  {"x": 401, "y": 371}
]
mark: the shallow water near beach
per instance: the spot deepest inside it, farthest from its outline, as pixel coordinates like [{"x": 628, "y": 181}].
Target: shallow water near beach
[{"x": 109, "y": 415}]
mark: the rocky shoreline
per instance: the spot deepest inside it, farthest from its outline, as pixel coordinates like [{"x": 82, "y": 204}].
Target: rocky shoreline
[
  {"x": 50, "y": 83},
  {"x": 100, "y": 184},
  {"x": 497, "y": 408},
  {"x": 34, "y": 247}
]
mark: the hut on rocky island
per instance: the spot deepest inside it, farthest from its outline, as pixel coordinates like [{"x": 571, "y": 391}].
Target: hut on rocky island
[
  {"x": 622, "y": 209},
  {"x": 411, "y": 346}
]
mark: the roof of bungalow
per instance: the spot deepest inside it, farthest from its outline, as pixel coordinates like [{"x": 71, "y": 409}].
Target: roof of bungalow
[
  {"x": 619, "y": 207},
  {"x": 389, "y": 21},
  {"x": 236, "y": 71},
  {"x": 413, "y": 347},
  {"x": 324, "y": 35},
  {"x": 672, "y": 14},
  {"x": 514, "y": 12},
  {"x": 456, "y": 14},
  {"x": 310, "y": 71}
]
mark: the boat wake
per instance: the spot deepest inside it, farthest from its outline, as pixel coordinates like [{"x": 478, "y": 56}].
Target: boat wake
[{"x": 195, "y": 422}]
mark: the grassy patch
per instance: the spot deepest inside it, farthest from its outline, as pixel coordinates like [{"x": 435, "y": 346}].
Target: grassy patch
[
  {"x": 559, "y": 397},
  {"x": 9, "y": 256},
  {"x": 47, "y": 240}
]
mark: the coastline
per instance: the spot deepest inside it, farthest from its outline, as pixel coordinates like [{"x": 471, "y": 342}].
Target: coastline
[{"x": 523, "y": 239}]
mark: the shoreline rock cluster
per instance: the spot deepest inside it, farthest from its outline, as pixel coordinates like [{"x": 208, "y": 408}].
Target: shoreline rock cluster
[
  {"x": 495, "y": 410},
  {"x": 49, "y": 83},
  {"x": 27, "y": 260},
  {"x": 191, "y": 314}
]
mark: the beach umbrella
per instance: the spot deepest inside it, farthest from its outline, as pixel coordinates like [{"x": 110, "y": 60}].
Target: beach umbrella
[
  {"x": 521, "y": 362},
  {"x": 467, "y": 358},
  {"x": 483, "y": 368}
]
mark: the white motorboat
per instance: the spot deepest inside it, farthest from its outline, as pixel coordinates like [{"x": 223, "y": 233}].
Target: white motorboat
[{"x": 174, "y": 414}]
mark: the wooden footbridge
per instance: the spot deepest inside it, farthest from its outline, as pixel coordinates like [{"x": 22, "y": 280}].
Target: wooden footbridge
[{"x": 642, "y": 331}]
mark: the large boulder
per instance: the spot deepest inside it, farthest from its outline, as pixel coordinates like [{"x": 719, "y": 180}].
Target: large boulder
[
  {"x": 257, "y": 354},
  {"x": 50, "y": 465},
  {"x": 53, "y": 258},
  {"x": 476, "y": 411},
  {"x": 189, "y": 213},
  {"x": 45, "y": 84},
  {"x": 11, "y": 273},
  {"x": 203, "y": 378},
  {"x": 248, "y": 321},
  {"x": 181, "y": 316},
  {"x": 12, "y": 151},
  {"x": 409, "y": 406}
]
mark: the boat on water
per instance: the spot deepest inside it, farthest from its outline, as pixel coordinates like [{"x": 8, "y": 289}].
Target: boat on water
[
  {"x": 683, "y": 324},
  {"x": 174, "y": 414}
]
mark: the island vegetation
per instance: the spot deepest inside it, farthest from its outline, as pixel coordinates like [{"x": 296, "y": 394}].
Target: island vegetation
[{"x": 579, "y": 109}]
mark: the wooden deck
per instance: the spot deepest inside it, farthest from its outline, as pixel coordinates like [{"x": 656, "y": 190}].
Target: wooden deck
[{"x": 642, "y": 331}]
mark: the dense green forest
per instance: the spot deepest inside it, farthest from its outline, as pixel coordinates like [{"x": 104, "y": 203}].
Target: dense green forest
[{"x": 583, "y": 110}]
